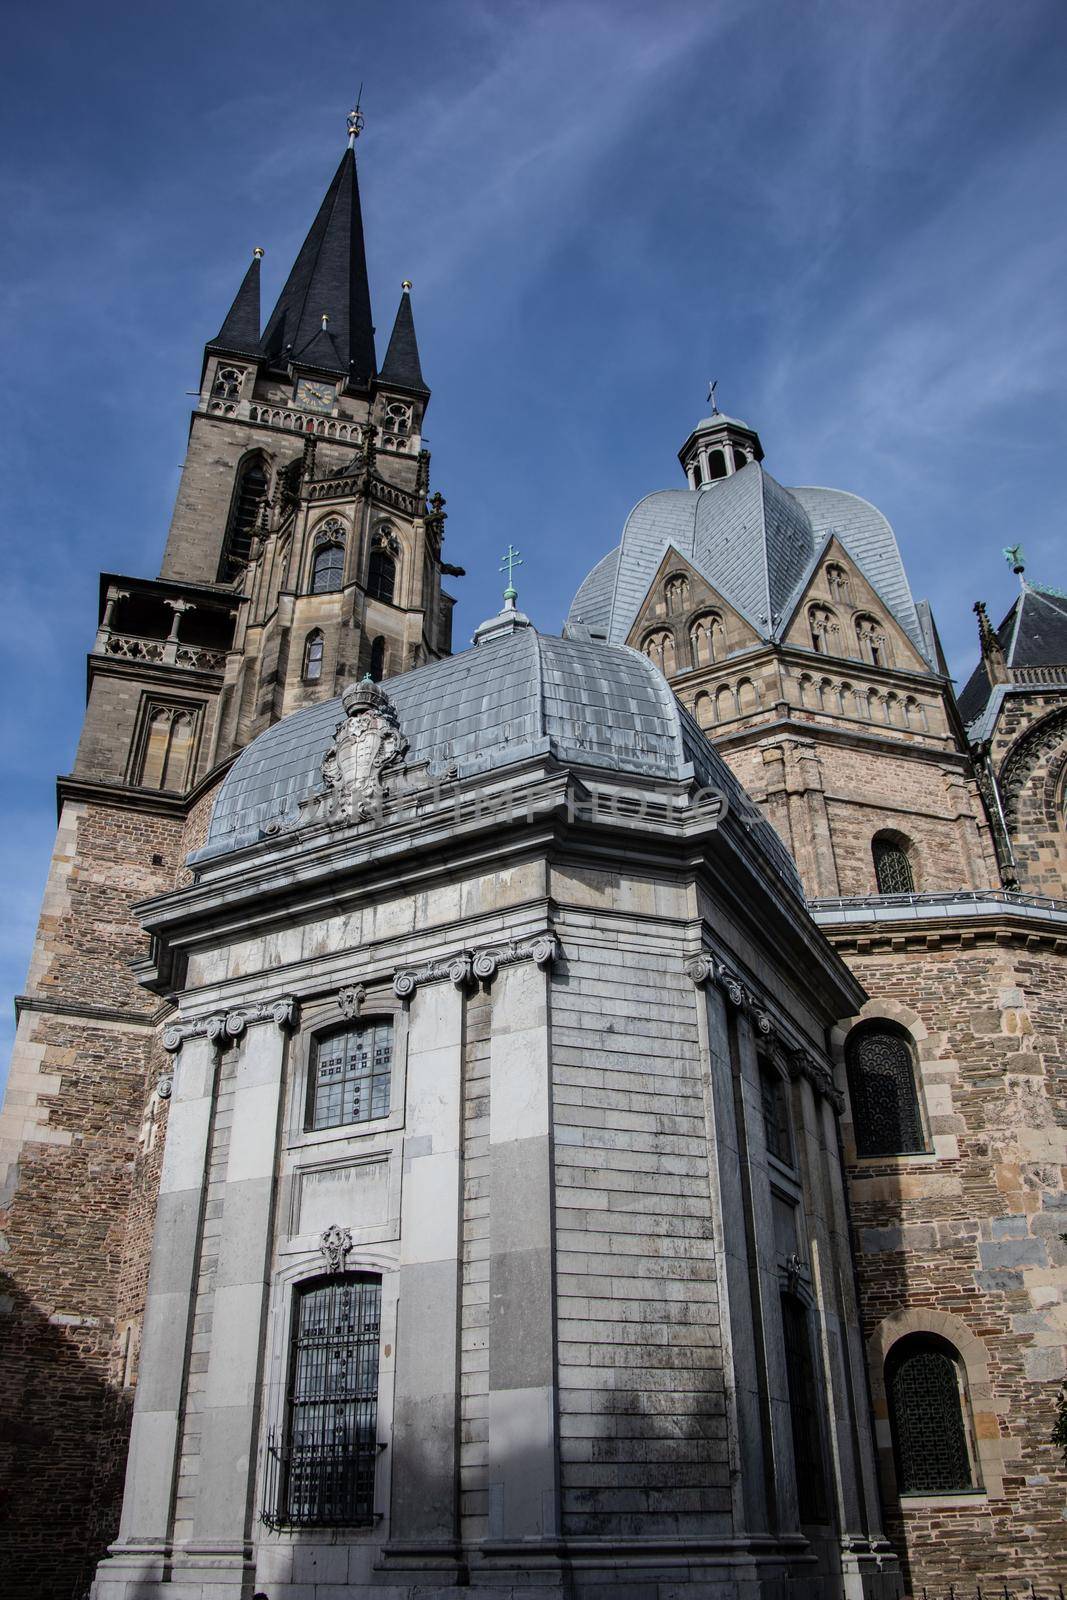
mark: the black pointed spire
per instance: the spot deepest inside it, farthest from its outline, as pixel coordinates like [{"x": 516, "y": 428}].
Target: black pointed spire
[
  {"x": 239, "y": 334},
  {"x": 401, "y": 366},
  {"x": 323, "y": 316}
]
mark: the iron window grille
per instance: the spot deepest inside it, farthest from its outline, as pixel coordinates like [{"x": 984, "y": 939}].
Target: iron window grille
[
  {"x": 351, "y": 1074},
  {"x": 803, "y": 1411},
  {"x": 881, "y": 1088},
  {"x": 323, "y": 1475},
  {"x": 925, "y": 1393},
  {"x": 892, "y": 869}
]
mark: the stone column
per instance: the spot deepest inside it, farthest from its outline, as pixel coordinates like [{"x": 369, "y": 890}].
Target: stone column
[
  {"x": 423, "y": 1516},
  {"x": 229, "y": 1418},
  {"x": 145, "y": 1526},
  {"x": 523, "y": 1429}
]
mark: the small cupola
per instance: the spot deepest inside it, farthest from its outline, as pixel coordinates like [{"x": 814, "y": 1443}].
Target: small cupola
[{"x": 718, "y": 446}]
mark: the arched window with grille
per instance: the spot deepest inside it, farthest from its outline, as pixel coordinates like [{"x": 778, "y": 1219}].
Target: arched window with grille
[
  {"x": 313, "y": 649},
  {"x": 327, "y": 1467},
  {"x": 883, "y": 1092},
  {"x": 351, "y": 1072},
  {"x": 249, "y": 493},
  {"x": 803, "y": 1410},
  {"x": 381, "y": 576},
  {"x": 892, "y": 865},
  {"x": 929, "y": 1416},
  {"x": 377, "y": 659}
]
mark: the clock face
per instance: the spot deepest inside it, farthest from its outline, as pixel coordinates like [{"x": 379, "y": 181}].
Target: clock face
[{"x": 315, "y": 396}]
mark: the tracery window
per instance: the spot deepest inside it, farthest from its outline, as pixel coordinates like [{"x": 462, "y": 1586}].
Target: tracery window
[
  {"x": 351, "y": 1071},
  {"x": 824, "y": 629},
  {"x": 227, "y": 385},
  {"x": 328, "y": 569},
  {"x": 381, "y": 575},
  {"x": 332, "y": 1428},
  {"x": 249, "y": 493},
  {"x": 883, "y": 1093},
  {"x": 803, "y": 1410},
  {"x": 166, "y": 753},
  {"x": 397, "y": 420},
  {"x": 659, "y": 647},
  {"x": 926, "y": 1390},
  {"x": 870, "y": 636},
  {"x": 892, "y": 868},
  {"x": 676, "y": 593},
  {"x": 313, "y": 648},
  {"x": 706, "y": 639}
]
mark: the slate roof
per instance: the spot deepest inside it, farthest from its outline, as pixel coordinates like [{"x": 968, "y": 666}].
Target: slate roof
[
  {"x": 755, "y": 542},
  {"x": 329, "y": 275},
  {"x": 1033, "y": 634},
  {"x": 239, "y": 334},
  {"x": 401, "y": 365},
  {"x": 517, "y": 694}
]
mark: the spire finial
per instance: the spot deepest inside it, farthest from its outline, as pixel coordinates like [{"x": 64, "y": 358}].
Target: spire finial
[
  {"x": 355, "y": 121},
  {"x": 258, "y": 253},
  {"x": 711, "y": 397},
  {"x": 406, "y": 286},
  {"x": 325, "y": 321},
  {"x": 512, "y": 559},
  {"x": 1013, "y": 555}
]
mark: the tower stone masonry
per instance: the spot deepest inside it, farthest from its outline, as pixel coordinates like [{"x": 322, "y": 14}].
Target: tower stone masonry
[{"x": 584, "y": 1115}]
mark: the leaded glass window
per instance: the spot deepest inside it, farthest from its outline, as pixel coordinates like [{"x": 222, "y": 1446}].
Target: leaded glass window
[
  {"x": 881, "y": 1088},
  {"x": 381, "y": 576},
  {"x": 328, "y": 570},
  {"x": 350, "y": 1075},
  {"x": 775, "y": 1113},
  {"x": 925, "y": 1391},
  {"x": 803, "y": 1410},
  {"x": 313, "y": 648},
  {"x": 332, "y": 1444},
  {"x": 892, "y": 869}
]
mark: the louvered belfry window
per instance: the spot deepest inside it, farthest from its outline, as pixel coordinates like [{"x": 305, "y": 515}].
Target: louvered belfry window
[
  {"x": 892, "y": 869},
  {"x": 926, "y": 1416},
  {"x": 803, "y": 1410},
  {"x": 882, "y": 1092},
  {"x": 350, "y": 1077},
  {"x": 332, "y": 1443}
]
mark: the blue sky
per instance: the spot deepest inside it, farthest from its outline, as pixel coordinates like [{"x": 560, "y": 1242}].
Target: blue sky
[{"x": 851, "y": 214}]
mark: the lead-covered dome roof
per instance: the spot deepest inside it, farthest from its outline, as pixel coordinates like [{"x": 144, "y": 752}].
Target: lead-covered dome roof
[
  {"x": 518, "y": 694},
  {"x": 755, "y": 542}
]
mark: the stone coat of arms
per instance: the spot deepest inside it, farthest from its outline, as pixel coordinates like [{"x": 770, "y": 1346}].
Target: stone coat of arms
[{"x": 365, "y": 747}]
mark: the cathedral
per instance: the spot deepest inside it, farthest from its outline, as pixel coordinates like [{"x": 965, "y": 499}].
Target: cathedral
[{"x": 579, "y": 1115}]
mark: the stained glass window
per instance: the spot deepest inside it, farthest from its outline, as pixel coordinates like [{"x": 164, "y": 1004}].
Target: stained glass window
[
  {"x": 328, "y": 571},
  {"x": 925, "y": 1391},
  {"x": 350, "y": 1077},
  {"x": 332, "y": 1444},
  {"x": 881, "y": 1088}
]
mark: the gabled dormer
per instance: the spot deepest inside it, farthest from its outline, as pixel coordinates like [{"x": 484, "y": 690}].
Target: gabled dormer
[{"x": 839, "y": 613}]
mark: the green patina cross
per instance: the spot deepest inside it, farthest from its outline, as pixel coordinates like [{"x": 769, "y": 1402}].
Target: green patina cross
[{"x": 512, "y": 559}]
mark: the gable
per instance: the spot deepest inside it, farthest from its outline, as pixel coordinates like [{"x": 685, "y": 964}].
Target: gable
[
  {"x": 853, "y": 622},
  {"x": 684, "y": 623}
]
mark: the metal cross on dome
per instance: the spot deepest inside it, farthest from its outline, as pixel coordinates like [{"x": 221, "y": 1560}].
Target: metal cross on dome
[{"x": 512, "y": 559}]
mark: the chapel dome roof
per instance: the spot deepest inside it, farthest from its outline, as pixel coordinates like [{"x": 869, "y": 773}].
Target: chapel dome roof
[{"x": 518, "y": 694}]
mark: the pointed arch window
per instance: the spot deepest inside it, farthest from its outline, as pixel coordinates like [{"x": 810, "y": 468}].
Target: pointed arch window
[
  {"x": 377, "y": 659},
  {"x": 227, "y": 384},
  {"x": 929, "y": 1416},
  {"x": 331, "y": 1447},
  {"x": 381, "y": 573},
  {"x": 837, "y": 583},
  {"x": 676, "y": 592},
  {"x": 892, "y": 865},
  {"x": 313, "y": 652},
  {"x": 328, "y": 562},
  {"x": 249, "y": 493},
  {"x": 166, "y": 753},
  {"x": 397, "y": 420},
  {"x": 883, "y": 1093}
]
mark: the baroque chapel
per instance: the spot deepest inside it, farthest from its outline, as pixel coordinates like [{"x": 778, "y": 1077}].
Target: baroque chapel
[{"x": 584, "y": 1114}]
